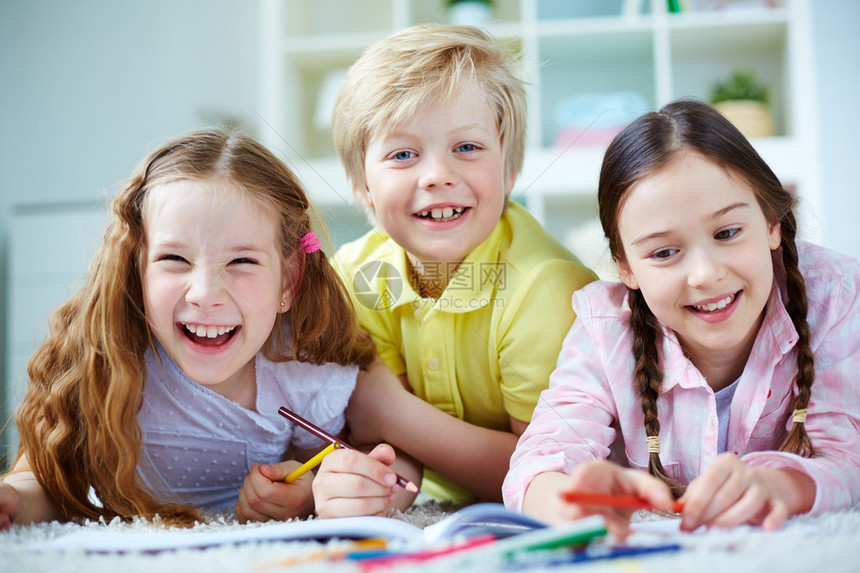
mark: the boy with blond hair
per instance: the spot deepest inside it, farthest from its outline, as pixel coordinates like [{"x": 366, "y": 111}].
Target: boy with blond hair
[{"x": 466, "y": 296}]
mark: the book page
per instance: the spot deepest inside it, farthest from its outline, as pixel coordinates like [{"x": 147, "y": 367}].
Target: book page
[{"x": 99, "y": 540}]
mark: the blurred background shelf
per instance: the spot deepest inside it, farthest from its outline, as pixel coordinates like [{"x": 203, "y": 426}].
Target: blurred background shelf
[
  {"x": 78, "y": 116},
  {"x": 583, "y": 49}
]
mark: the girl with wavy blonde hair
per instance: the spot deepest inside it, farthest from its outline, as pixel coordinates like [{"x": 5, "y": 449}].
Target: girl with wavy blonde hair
[{"x": 208, "y": 305}]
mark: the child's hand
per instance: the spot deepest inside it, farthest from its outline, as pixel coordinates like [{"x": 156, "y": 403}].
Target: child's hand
[
  {"x": 10, "y": 505},
  {"x": 730, "y": 492},
  {"x": 350, "y": 483},
  {"x": 544, "y": 495},
  {"x": 265, "y": 495}
]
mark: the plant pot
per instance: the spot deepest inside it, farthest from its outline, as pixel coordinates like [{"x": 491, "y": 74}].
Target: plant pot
[{"x": 752, "y": 118}]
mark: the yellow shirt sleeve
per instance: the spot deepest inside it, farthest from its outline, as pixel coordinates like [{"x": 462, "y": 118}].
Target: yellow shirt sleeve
[{"x": 531, "y": 336}]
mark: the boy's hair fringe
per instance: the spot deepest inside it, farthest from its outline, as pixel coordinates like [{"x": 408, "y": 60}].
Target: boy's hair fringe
[
  {"x": 646, "y": 146},
  {"x": 394, "y": 78},
  {"x": 78, "y": 421}
]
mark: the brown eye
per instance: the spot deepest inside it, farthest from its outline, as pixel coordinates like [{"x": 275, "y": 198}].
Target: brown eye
[{"x": 727, "y": 234}]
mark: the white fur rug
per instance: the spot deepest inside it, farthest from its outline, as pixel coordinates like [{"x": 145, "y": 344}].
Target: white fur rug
[{"x": 826, "y": 544}]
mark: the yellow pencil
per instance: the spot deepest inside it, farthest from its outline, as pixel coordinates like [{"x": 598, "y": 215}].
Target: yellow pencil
[{"x": 311, "y": 463}]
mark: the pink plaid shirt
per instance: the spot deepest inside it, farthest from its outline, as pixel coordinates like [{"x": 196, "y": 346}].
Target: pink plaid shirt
[{"x": 591, "y": 409}]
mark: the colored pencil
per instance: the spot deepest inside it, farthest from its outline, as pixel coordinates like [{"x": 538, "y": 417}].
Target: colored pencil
[
  {"x": 311, "y": 463},
  {"x": 613, "y": 500},
  {"x": 323, "y": 435}
]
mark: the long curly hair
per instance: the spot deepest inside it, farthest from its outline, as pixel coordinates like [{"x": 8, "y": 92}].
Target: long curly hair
[
  {"x": 78, "y": 421},
  {"x": 646, "y": 146}
]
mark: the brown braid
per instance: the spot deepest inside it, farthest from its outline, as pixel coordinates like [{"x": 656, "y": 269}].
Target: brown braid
[
  {"x": 648, "y": 378},
  {"x": 647, "y": 145},
  {"x": 797, "y": 441}
]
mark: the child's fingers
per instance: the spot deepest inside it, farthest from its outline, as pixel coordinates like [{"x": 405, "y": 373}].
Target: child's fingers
[
  {"x": 349, "y": 494},
  {"x": 609, "y": 478},
  {"x": 278, "y": 472},
  {"x": 710, "y": 494},
  {"x": 755, "y": 505},
  {"x": 352, "y": 483},
  {"x": 262, "y": 498},
  {"x": 371, "y": 466},
  {"x": 384, "y": 454},
  {"x": 5, "y": 522},
  {"x": 246, "y": 513},
  {"x": 329, "y": 485},
  {"x": 777, "y": 516},
  {"x": 649, "y": 488},
  {"x": 354, "y": 507}
]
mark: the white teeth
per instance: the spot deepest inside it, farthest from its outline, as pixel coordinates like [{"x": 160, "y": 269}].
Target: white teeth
[
  {"x": 208, "y": 331},
  {"x": 712, "y": 306},
  {"x": 443, "y": 214}
]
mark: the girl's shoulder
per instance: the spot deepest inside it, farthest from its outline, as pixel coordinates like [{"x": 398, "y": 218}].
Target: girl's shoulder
[
  {"x": 602, "y": 299},
  {"x": 832, "y": 282},
  {"x": 827, "y": 273},
  {"x": 815, "y": 260}
]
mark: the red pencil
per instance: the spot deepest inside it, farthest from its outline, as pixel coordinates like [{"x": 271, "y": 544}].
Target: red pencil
[
  {"x": 323, "y": 435},
  {"x": 613, "y": 500}
]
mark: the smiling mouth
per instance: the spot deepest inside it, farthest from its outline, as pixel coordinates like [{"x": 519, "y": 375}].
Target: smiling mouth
[
  {"x": 442, "y": 215},
  {"x": 713, "y": 307},
  {"x": 209, "y": 335}
]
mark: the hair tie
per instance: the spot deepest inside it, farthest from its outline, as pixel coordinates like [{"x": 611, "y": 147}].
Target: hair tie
[
  {"x": 310, "y": 242},
  {"x": 653, "y": 444},
  {"x": 799, "y": 416}
]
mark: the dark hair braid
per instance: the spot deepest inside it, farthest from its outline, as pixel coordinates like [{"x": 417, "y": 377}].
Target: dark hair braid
[
  {"x": 649, "y": 378},
  {"x": 798, "y": 440}
]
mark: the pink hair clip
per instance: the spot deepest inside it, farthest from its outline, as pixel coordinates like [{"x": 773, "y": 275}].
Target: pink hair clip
[{"x": 310, "y": 242}]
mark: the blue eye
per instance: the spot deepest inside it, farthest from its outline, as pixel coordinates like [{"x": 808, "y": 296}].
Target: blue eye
[
  {"x": 467, "y": 147},
  {"x": 243, "y": 260},
  {"x": 403, "y": 155},
  {"x": 727, "y": 234}
]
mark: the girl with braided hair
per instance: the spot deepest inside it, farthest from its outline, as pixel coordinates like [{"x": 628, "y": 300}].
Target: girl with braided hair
[
  {"x": 720, "y": 371},
  {"x": 208, "y": 305}
]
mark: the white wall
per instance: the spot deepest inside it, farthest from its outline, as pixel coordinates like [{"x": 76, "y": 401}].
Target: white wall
[
  {"x": 836, "y": 30},
  {"x": 87, "y": 87}
]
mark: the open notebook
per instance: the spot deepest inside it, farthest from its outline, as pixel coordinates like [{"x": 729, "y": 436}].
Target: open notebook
[{"x": 471, "y": 521}]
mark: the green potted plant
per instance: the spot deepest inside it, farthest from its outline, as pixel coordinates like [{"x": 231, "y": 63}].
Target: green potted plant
[
  {"x": 745, "y": 101},
  {"x": 469, "y": 12}
]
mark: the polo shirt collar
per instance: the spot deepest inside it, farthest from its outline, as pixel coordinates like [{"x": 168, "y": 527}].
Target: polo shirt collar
[{"x": 470, "y": 288}]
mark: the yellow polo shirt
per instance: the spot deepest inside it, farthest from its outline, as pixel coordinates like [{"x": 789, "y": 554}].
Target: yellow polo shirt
[{"x": 484, "y": 350}]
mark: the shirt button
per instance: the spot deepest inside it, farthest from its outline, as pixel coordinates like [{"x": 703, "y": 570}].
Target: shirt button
[
  {"x": 433, "y": 364},
  {"x": 419, "y": 314}
]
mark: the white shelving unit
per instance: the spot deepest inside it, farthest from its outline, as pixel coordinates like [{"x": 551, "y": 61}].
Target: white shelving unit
[{"x": 569, "y": 49}]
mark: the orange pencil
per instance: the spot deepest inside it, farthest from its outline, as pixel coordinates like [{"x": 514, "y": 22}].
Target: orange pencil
[{"x": 613, "y": 500}]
